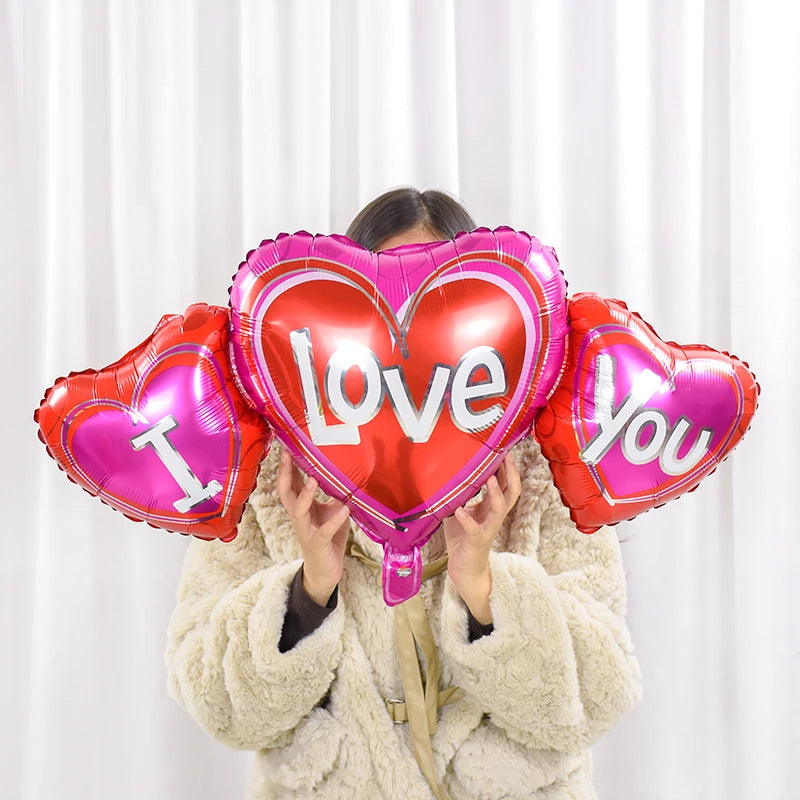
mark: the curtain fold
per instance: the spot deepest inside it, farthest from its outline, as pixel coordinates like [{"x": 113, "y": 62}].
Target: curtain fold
[{"x": 146, "y": 147}]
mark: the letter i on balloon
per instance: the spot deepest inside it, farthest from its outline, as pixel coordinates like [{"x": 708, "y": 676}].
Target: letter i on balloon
[{"x": 162, "y": 435}]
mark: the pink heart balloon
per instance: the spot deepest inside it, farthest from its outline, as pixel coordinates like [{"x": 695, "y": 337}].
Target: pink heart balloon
[
  {"x": 636, "y": 421},
  {"x": 163, "y": 434},
  {"x": 399, "y": 379}
]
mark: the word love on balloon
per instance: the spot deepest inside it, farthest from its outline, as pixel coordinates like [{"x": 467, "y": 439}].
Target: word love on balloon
[
  {"x": 163, "y": 434},
  {"x": 380, "y": 383},
  {"x": 399, "y": 379},
  {"x": 636, "y": 422}
]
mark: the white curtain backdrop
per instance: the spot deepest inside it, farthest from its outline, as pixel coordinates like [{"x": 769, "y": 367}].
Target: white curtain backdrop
[{"x": 148, "y": 145}]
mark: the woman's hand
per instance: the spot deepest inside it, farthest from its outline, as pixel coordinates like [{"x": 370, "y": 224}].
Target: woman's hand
[
  {"x": 321, "y": 529},
  {"x": 469, "y": 534}
]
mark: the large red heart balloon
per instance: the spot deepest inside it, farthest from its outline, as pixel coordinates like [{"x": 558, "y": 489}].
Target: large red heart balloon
[
  {"x": 635, "y": 421},
  {"x": 399, "y": 379},
  {"x": 163, "y": 434}
]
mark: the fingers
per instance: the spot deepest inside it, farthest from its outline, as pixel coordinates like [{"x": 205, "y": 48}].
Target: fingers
[
  {"x": 333, "y": 524},
  {"x": 467, "y": 521},
  {"x": 513, "y": 486},
  {"x": 489, "y": 513},
  {"x": 305, "y": 498},
  {"x": 501, "y": 476},
  {"x": 295, "y": 495},
  {"x": 496, "y": 504},
  {"x": 309, "y": 518},
  {"x": 283, "y": 483},
  {"x": 297, "y": 478}
]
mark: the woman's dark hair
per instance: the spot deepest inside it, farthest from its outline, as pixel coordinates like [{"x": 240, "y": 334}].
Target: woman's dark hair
[{"x": 398, "y": 210}]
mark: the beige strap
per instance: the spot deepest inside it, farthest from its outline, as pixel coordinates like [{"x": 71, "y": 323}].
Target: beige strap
[
  {"x": 421, "y": 707},
  {"x": 399, "y": 713}
]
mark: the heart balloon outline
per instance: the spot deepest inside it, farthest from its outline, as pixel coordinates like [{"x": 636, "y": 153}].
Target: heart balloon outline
[
  {"x": 568, "y": 426},
  {"x": 204, "y": 360},
  {"x": 530, "y": 278},
  {"x": 188, "y": 356},
  {"x": 599, "y": 338},
  {"x": 333, "y": 474}
]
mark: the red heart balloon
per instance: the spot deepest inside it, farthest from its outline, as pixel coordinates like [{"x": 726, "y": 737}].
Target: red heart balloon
[
  {"x": 636, "y": 422},
  {"x": 399, "y": 379},
  {"x": 162, "y": 435}
]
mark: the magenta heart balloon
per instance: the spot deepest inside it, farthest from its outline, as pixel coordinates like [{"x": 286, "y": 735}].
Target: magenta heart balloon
[
  {"x": 399, "y": 379},
  {"x": 163, "y": 434},
  {"x": 636, "y": 421}
]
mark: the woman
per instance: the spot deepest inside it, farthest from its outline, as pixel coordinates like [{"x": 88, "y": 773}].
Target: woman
[{"x": 281, "y": 642}]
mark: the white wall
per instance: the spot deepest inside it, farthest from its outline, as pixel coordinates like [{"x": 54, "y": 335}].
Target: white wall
[{"x": 147, "y": 146}]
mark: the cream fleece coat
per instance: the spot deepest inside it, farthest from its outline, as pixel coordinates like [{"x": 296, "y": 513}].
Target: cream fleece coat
[{"x": 556, "y": 673}]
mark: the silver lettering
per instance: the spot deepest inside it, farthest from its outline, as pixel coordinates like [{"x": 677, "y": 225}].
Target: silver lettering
[
  {"x": 610, "y": 422},
  {"x": 463, "y": 391},
  {"x": 669, "y": 461},
  {"x": 346, "y": 357},
  {"x": 628, "y": 421},
  {"x": 193, "y": 489},
  {"x": 417, "y": 423},
  {"x": 632, "y": 447},
  {"x": 321, "y": 433}
]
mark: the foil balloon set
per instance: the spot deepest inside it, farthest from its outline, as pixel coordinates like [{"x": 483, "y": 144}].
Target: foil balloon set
[{"x": 399, "y": 380}]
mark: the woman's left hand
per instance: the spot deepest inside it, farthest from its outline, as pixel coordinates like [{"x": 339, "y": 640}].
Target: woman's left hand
[{"x": 469, "y": 534}]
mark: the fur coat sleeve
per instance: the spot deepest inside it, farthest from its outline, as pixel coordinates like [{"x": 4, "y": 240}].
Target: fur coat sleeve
[
  {"x": 558, "y": 671},
  {"x": 223, "y": 659}
]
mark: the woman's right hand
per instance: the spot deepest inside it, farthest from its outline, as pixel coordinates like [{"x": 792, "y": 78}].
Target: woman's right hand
[{"x": 321, "y": 529}]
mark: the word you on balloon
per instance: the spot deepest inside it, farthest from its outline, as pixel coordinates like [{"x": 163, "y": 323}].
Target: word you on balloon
[
  {"x": 629, "y": 421},
  {"x": 454, "y": 384}
]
